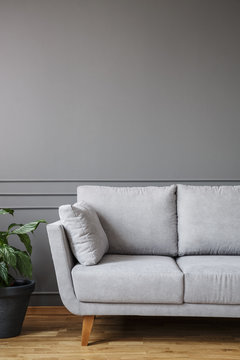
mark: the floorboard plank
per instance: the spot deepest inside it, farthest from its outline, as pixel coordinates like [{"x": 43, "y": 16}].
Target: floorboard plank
[{"x": 55, "y": 334}]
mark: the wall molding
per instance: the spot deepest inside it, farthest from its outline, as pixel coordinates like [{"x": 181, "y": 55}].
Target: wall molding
[
  {"x": 113, "y": 180},
  {"x": 71, "y": 194},
  {"x": 37, "y": 194},
  {"x": 31, "y": 207},
  {"x": 39, "y": 293}
]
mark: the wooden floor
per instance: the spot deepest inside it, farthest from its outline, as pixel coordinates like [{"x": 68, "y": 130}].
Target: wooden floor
[{"x": 53, "y": 333}]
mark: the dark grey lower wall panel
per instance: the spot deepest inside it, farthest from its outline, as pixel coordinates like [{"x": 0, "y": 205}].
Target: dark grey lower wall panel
[{"x": 39, "y": 199}]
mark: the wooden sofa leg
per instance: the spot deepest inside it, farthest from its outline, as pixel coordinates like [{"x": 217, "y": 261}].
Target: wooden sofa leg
[{"x": 87, "y": 328}]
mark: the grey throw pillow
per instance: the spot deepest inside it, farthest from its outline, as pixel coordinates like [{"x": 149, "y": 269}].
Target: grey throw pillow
[{"x": 85, "y": 233}]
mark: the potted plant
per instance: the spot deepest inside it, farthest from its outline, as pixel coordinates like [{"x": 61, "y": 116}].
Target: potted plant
[{"x": 15, "y": 293}]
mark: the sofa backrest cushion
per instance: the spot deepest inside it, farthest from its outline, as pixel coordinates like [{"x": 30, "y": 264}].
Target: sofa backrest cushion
[
  {"x": 208, "y": 220},
  {"x": 136, "y": 220}
]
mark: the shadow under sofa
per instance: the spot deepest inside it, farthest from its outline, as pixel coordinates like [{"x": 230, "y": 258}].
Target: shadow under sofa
[{"x": 173, "y": 251}]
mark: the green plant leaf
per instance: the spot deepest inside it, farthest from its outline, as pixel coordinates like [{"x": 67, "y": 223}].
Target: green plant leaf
[
  {"x": 12, "y": 225},
  {"x": 4, "y": 272},
  {"x": 24, "y": 264},
  {"x": 28, "y": 227},
  {"x": 13, "y": 258},
  {"x": 25, "y": 239},
  {"x": 6, "y": 211},
  {"x": 3, "y": 237},
  {"x": 7, "y": 254}
]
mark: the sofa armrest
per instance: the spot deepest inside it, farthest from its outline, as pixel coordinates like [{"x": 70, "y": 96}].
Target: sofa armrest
[{"x": 63, "y": 261}]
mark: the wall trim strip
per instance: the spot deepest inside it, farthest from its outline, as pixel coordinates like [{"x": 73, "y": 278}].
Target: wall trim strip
[
  {"x": 113, "y": 181},
  {"x": 31, "y": 207},
  {"x": 45, "y": 293},
  {"x": 37, "y": 194}
]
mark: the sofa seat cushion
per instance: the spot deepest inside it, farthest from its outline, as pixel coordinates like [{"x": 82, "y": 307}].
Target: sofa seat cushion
[
  {"x": 129, "y": 279},
  {"x": 211, "y": 279},
  {"x": 136, "y": 220}
]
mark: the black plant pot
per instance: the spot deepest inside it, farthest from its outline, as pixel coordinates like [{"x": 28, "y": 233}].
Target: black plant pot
[{"x": 13, "y": 306}]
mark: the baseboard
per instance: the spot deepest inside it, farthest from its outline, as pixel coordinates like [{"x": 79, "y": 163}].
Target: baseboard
[{"x": 44, "y": 299}]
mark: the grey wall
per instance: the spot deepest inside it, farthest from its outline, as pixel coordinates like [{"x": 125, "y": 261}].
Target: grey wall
[{"x": 114, "y": 90}]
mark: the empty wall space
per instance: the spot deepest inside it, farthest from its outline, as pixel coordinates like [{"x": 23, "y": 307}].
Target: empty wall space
[{"x": 131, "y": 92}]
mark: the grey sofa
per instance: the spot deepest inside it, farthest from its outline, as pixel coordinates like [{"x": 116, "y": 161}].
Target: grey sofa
[{"x": 173, "y": 251}]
